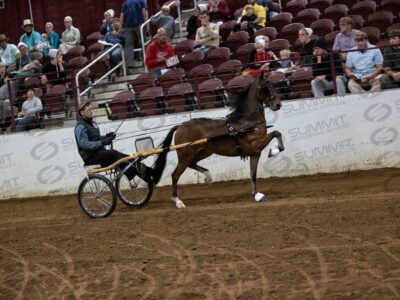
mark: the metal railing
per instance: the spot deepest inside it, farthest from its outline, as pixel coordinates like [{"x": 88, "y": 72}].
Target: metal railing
[
  {"x": 145, "y": 24},
  {"x": 92, "y": 63}
]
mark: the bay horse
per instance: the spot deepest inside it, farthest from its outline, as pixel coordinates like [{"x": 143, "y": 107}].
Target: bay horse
[{"x": 243, "y": 133}]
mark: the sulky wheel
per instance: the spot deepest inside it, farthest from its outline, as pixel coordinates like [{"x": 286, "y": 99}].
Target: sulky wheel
[
  {"x": 134, "y": 193},
  {"x": 97, "y": 196}
]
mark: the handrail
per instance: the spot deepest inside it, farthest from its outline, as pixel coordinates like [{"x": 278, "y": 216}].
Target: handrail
[
  {"x": 121, "y": 63},
  {"x": 143, "y": 43}
]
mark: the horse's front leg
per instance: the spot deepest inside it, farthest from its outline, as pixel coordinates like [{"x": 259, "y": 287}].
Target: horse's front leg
[
  {"x": 276, "y": 134},
  {"x": 259, "y": 197}
]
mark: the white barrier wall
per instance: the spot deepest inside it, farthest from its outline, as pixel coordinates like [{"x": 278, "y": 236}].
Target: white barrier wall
[{"x": 326, "y": 135}]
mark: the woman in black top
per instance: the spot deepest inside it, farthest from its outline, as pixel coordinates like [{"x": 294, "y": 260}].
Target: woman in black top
[
  {"x": 306, "y": 51},
  {"x": 54, "y": 71}
]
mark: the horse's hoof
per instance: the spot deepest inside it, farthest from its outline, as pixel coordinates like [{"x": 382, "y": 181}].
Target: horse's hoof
[
  {"x": 180, "y": 204},
  {"x": 208, "y": 178},
  {"x": 273, "y": 152},
  {"x": 260, "y": 197}
]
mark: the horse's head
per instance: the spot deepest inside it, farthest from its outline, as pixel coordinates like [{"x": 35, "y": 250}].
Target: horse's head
[{"x": 267, "y": 95}]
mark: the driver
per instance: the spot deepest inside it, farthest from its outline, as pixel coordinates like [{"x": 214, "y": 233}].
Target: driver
[{"x": 91, "y": 145}]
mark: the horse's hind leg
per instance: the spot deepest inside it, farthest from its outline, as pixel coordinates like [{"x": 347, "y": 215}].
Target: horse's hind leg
[
  {"x": 205, "y": 171},
  {"x": 180, "y": 168}
]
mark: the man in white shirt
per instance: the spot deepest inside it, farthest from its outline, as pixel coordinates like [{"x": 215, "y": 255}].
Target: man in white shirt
[
  {"x": 8, "y": 52},
  {"x": 207, "y": 35}
]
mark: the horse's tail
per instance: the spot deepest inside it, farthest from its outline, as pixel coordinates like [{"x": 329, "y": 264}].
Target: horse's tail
[{"x": 162, "y": 157}]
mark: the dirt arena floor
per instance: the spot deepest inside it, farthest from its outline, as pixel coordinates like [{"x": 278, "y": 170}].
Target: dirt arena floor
[{"x": 318, "y": 237}]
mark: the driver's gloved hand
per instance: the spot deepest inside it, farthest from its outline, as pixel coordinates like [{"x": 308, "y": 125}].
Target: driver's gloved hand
[
  {"x": 107, "y": 140},
  {"x": 111, "y": 134}
]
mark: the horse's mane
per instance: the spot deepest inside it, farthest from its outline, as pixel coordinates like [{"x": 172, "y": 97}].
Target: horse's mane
[{"x": 238, "y": 105}]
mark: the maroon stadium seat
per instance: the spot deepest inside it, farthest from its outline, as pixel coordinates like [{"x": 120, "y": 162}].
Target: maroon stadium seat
[
  {"x": 308, "y": 16},
  {"x": 183, "y": 48},
  {"x": 393, "y": 27},
  {"x": 322, "y": 27},
  {"x": 143, "y": 81},
  {"x": 179, "y": 98},
  {"x": 291, "y": 32},
  {"x": 236, "y": 39},
  {"x": 191, "y": 60},
  {"x": 335, "y": 12},
  {"x": 211, "y": 94},
  {"x": 373, "y": 34},
  {"x": 228, "y": 70},
  {"x": 279, "y": 44},
  {"x": 267, "y": 31},
  {"x": 237, "y": 85},
  {"x": 121, "y": 106},
  {"x": 199, "y": 74},
  {"x": 391, "y": 5},
  {"x": 92, "y": 38},
  {"x": 358, "y": 21},
  {"x": 300, "y": 81},
  {"x": 226, "y": 28},
  {"x": 320, "y": 4},
  {"x": 150, "y": 101},
  {"x": 330, "y": 38},
  {"x": 171, "y": 77},
  {"x": 238, "y": 13},
  {"x": 281, "y": 20},
  {"x": 242, "y": 54},
  {"x": 295, "y": 6},
  {"x": 276, "y": 77},
  {"x": 54, "y": 99},
  {"x": 348, "y": 3},
  {"x": 94, "y": 49},
  {"x": 381, "y": 19},
  {"x": 217, "y": 56},
  {"x": 363, "y": 8},
  {"x": 74, "y": 52}
]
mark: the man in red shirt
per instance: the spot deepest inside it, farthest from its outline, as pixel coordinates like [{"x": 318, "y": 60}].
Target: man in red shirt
[{"x": 158, "y": 52}]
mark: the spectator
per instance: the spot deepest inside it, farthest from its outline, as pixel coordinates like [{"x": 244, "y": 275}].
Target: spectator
[
  {"x": 134, "y": 13},
  {"x": 23, "y": 57},
  {"x": 30, "y": 38},
  {"x": 207, "y": 35},
  {"x": 391, "y": 62},
  {"x": 259, "y": 11},
  {"x": 54, "y": 71},
  {"x": 27, "y": 116},
  {"x": 70, "y": 37},
  {"x": 8, "y": 52},
  {"x": 259, "y": 58},
  {"x": 3, "y": 74},
  {"x": 218, "y": 10},
  {"x": 112, "y": 38},
  {"x": 52, "y": 36},
  {"x": 107, "y": 25},
  {"x": 29, "y": 70},
  {"x": 166, "y": 21},
  {"x": 285, "y": 64},
  {"x": 44, "y": 44},
  {"x": 322, "y": 71},
  {"x": 4, "y": 94},
  {"x": 158, "y": 52},
  {"x": 248, "y": 21},
  {"x": 306, "y": 51},
  {"x": 193, "y": 24},
  {"x": 344, "y": 41},
  {"x": 364, "y": 67}
]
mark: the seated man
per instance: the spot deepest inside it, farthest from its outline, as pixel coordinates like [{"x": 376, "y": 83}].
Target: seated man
[
  {"x": 30, "y": 108},
  {"x": 158, "y": 52},
  {"x": 91, "y": 145},
  {"x": 8, "y": 52},
  {"x": 166, "y": 21},
  {"x": 30, "y": 37},
  {"x": 322, "y": 71},
  {"x": 364, "y": 67},
  {"x": 207, "y": 35},
  {"x": 391, "y": 62}
]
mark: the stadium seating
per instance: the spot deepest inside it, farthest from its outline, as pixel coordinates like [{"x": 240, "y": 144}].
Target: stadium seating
[
  {"x": 267, "y": 31},
  {"x": 228, "y": 70},
  {"x": 392, "y": 6},
  {"x": 226, "y": 28},
  {"x": 121, "y": 106},
  {"x": 330, "y": 38},
  {"x": 335, "y": 12},
  {"x": 308, "y": 16},
  {"x": 171, "y": 77},
  {"x": 363, "y": 8},
  {"x": 184, "y": 47},
  {"x": 281, "y": 20},
  {"x": 295, "y": 6},
  {"x": 191, "y": 60},
  {"x": 322, "y": 27},
  {"x": 218, "y": 56},
  {"x": 279, "y": 44},
  {"x": 358, "y": 21},
  {"x": 74, "y": 52},
  {"x": 321, "y": 5},
  {"x": 381, "y": 20},
  {"x": 211, "y": 94},
  {"x": 54, "y": 99},
  {"x": 199, "y": 74},
  {"x": 179, "y": 98},
  {"x": 236, "y": 39},
  {"x": 300, "y": 81},
  {"x": 373, "y": 34},
  {"x": 149, "y": 102},
  {"x": 144, "y": 81},
  {"x": 242, "y": 54},
  {"x": 290, "y": 32}
]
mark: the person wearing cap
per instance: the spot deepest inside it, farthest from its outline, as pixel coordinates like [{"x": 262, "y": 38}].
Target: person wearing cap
[
  {"x": 30, "y": 37},
  {"x": 133, "y": 15},
  {"x": 307, "y": 49},
  {"x": 52, "y": 36},
  {"x": 364, "y": 66},
  {"x": 23, "y": 57},
  {"x": 71, "y": 37},
  {"x": 391, "y": 62},
  {"x": 322, "y": 71},
  {"x": 344, "y": 41},
  {"x": 107, "y": 27},
  {"x": 218, "y": 10},
  {"x": 28, "y": 114},
  {"x": 166, "y": 21},
  {"x": 53, "y": 72},
  {"x": 8, "y": 52},
  {"x": 91, "y": 144},
  {"x": 158, "y": 52}
]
